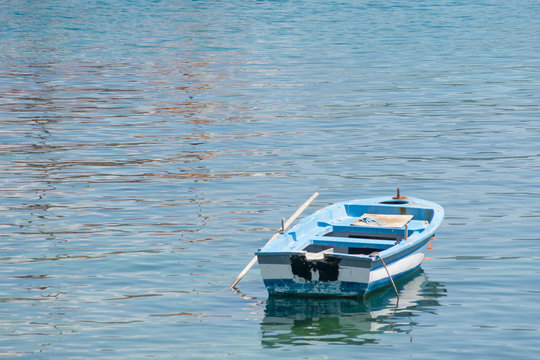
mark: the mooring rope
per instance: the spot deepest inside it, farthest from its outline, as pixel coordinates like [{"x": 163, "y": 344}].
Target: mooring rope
[{"x": 388, "y": 272}]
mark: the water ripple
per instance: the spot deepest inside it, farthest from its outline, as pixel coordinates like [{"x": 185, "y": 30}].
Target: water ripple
[{"x": 148, "y": 149}]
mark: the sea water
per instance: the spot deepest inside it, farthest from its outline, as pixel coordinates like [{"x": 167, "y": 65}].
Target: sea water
[{"x": 149, "y": 148}]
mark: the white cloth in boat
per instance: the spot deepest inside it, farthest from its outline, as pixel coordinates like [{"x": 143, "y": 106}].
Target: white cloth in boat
[{"x": 382, "y": 220}]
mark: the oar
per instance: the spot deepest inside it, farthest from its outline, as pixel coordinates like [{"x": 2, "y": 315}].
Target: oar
[{"x": 284, "y": 226}]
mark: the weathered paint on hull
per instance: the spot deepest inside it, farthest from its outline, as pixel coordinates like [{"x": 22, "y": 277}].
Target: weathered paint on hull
[
  {"x": 354, "y": 279},
  {"x": 315, "y": 288}
]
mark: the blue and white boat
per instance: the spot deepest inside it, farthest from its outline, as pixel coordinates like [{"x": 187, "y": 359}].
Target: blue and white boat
[{"x": 350, "y": 248}]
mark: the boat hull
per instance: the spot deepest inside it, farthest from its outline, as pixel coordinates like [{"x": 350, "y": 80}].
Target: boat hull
[
  {"x": 350, "y": 249},
  {"x": 289, "y": 274},
  {"x": 295, "y": 274}
]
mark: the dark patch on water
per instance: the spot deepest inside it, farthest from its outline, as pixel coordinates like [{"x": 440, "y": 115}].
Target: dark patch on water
[{"x": 328, "y": 268}]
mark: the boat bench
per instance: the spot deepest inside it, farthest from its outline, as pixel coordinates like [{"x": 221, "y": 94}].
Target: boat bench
[
  {"x": 346, "y": 227},
  {"x": 351, "y": 242}
]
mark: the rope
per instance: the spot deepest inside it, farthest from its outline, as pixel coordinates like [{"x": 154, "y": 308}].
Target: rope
[
  {"x": 388, "y": 272},
  {"x": 371, "y": 221}
]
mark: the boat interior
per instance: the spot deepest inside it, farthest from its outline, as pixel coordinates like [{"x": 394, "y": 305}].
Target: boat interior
[{"x": 362, "y": 230}]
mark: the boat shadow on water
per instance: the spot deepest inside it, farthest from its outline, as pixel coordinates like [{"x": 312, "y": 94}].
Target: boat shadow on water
[{"x": 297, "y": 321}]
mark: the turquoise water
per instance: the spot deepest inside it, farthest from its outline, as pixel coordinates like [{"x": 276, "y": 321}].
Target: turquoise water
[{"x": 147, "y": 149}]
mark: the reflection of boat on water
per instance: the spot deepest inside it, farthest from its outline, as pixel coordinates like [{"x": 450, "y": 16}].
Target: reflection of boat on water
[{"x": 300, "y": 321}]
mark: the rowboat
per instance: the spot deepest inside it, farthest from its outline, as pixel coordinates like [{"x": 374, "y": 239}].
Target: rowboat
[{"x": 350, "y": 248}]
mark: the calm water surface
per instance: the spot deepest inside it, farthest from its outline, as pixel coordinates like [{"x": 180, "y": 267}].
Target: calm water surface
[{"x": 147, "y": 149}]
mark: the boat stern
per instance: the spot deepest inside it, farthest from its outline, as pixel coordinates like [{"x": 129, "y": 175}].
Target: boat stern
[{"x": 307, "y": 274}]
